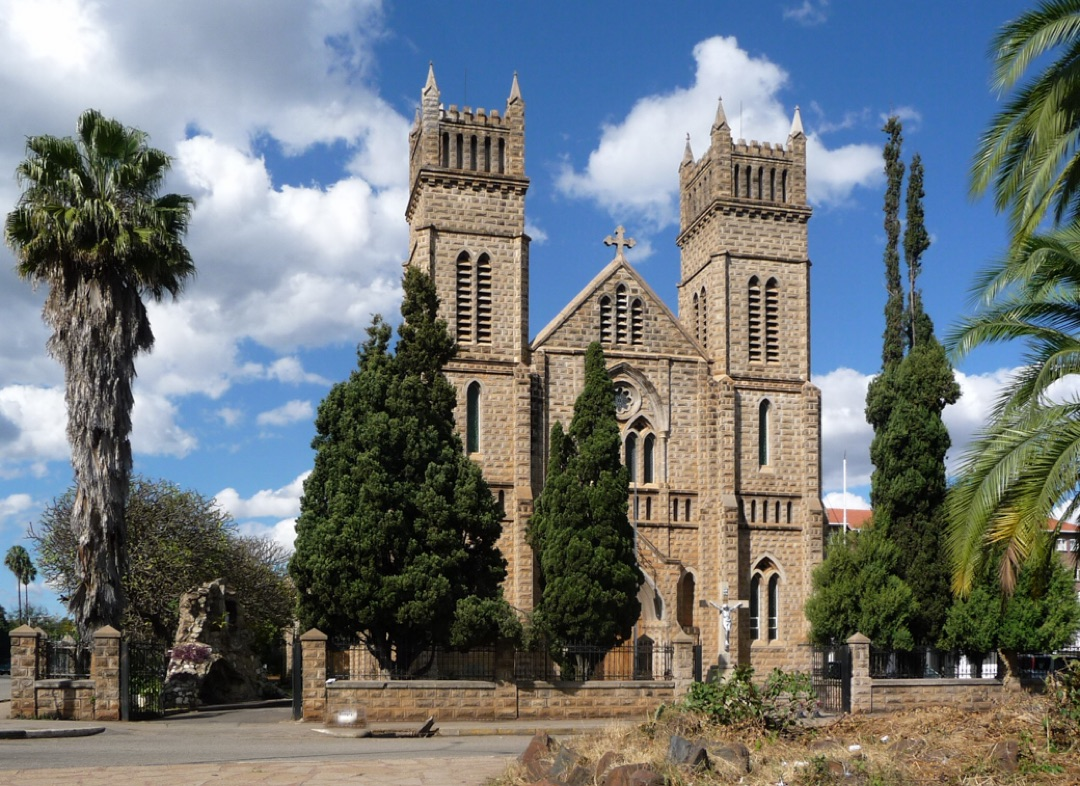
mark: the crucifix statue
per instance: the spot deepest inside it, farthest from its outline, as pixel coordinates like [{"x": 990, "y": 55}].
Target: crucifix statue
[
  {"x": 725, "y": 618},
  {"x": 619, "y": 241}
]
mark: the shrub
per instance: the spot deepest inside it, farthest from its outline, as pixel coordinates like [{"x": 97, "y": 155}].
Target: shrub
[{"x": 776, "y": 705}]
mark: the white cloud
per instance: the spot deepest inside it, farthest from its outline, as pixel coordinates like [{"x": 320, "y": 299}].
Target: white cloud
[
  {"x": 33, "y": 423},
  {"x": 290, "y": 412},
  {"x": 844, "y": 430},
  {"x": 276, "y": 503},
  {"x": 280, "y": 266},
  {"x": 282, "y": 532},
  {"x": 630, "y": 170},
  {"x": 230, "y": 416},
  {"x": 808, "y": 13},
  {"x": 840, "y": 500}
]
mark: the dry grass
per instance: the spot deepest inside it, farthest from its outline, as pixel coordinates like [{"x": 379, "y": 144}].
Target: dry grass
[{"x": 936, "y": 746}]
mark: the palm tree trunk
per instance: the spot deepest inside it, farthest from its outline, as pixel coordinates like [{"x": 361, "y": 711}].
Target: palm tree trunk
[{"x": 100, "y": 324}]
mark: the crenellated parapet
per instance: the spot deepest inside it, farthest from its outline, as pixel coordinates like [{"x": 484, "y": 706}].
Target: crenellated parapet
[
  {"x": 758, "y": 175},
  {"x": 464, "y": 142}
]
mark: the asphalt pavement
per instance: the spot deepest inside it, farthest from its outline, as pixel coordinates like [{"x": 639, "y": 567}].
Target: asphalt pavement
[{"x": 262, "y": 745}]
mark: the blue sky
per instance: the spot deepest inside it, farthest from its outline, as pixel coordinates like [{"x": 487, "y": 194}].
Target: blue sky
[{"x": 288, "y": 125}]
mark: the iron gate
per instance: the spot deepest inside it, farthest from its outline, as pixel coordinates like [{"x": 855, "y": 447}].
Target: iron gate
[
  {"x": 142, "y": 678},
  {"x": 297, "y": 680},
  {"x": 830, "y": 675}
]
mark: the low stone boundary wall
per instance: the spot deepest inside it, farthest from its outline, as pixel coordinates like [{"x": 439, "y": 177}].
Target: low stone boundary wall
[
  {"x": 32, "y": 696},
  {"x": 895, "y": 695},
  {"x": 504, "y": 698},
  {"x": 456, "y": 700}
]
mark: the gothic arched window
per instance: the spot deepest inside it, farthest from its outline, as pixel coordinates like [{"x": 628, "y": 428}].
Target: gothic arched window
[
  {"x": 483, "y": 299},
  {"x": 755, "y": 606},
  {"x": 650, "y": 448},
  {"x": 472, "y": 418},
  {"x": 774, "y": 607},
  {"x": 631, "y": 456},
  {"x": 764, "y": 438},
  {"x": 605, "y": 320}
]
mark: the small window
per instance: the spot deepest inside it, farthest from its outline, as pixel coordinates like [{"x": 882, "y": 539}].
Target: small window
[
  {"x": 776, "y": 518},
  {"x": 763, "y": 434},
  {"x": 472, "y": 418},
  {"x": 631, "y": 456},
  {"x": 753, "y": 510},
  {"x": 755, "y": 607},
  {"x": 774, "y": 607},
  {"x": 606, "y": 334},
  {"x": 648, "y": 508},
  {"x": 686, "y": 510},
  {"x": 674, "y": 510},
  {"x": 502, "y": 504},
  {"x": 650, "y": 448},
  {"x": 789, "y": 512},
  {"x": 765, "y": 512}
]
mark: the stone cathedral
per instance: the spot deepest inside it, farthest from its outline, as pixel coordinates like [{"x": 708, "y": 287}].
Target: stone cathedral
[{"x": 720, "y": 424}]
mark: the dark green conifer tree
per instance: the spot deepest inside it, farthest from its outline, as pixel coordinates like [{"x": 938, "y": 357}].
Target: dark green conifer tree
[
  {"x": 396, "y": 539},
  {"x": 904, "y": 405},
  {"x": 580, "y": 529}
]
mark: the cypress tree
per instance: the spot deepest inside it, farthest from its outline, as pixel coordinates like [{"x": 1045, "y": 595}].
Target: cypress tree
[
  {"x": 580, "y": 529},
  {"x": 396, "y": 538},
  {"x": 904, "y": 405}
]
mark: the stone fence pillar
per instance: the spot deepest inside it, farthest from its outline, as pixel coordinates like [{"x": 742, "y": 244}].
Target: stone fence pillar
[
  {"x": 682, "y": 665},
  {"x": 313, "y": 668},
  {"x": 27, "y": 652},
  {"x": 861, "y": 686},
  {"x": 105, "y": 672}
]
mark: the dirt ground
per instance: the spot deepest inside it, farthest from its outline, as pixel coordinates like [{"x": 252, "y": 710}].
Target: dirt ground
[{"x": 1011, "y": 745}]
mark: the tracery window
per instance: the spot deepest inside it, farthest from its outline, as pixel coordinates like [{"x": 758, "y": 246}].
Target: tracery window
[{"x": 767, "y": 574}]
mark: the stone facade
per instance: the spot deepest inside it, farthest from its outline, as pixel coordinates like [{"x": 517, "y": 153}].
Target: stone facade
[{"x": 719, "y": 419}]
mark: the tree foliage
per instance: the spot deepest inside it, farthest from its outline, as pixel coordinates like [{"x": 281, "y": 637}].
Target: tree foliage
[
  {"x": 580, "y": 529},
  {"x": 90, "y": 226},
  {"x": 1029, "y": 156},
  {"x": 904, "y": 405},
  {"x": 1038, "y": 617},
  {"x": 856, "y": 589},
  {"x": 18, "y": 561},
  {"x": 396, "y": 539},
  {"x": 1020, "y": 470},
  {"x": 177, "y": 540}
]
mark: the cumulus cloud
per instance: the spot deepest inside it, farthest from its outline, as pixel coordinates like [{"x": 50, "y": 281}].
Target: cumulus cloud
[
  {"x": 291, "y": 412},
  {"x": 33, "y": 421},
  {"x": 266, "y": 503},
  {"x": 629, "y": 172},
  {"x": 845, "y": 434},
  {"x": 281, "y": 266}
]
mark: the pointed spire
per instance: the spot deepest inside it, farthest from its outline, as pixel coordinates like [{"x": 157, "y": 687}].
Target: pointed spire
[
  {"x": 515, "y": 91},
  {"x": 430, "y": 84},
  {"x": 796, "y": 125},
  {"x": 688, "y": 154},
  {"x": 721, "y": 118}
]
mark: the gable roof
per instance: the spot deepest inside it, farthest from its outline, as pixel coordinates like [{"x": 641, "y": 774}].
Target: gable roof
[{"x": 617, "y": 265}]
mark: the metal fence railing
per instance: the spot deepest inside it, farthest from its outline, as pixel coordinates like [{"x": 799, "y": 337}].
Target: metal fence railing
[
  {"x": 66, "y": 659},
  {"x": 1041, "y": 665},
  {"x": 349, "y": 660},
  {"x": 581, "y": 662},
  {"x": 929, "y": 663}
]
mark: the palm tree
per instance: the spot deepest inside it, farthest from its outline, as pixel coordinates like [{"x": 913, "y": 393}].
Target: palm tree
[
  {"x": 1030, "y": 154},
  {"x": 18, "y": 562},
  {"x": 1022, "y": 468},
  {"x": 89, "y": 225}
]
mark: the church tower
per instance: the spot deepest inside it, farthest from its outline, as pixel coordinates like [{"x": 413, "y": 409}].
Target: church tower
[
  {"x": 745, "y": 296},
  {"x": 466, "y": 216}
]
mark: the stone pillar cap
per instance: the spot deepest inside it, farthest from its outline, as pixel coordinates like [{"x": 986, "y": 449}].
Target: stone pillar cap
[
  {"x": 858, "y": 638},
  {"x": 314, "y": 635}
]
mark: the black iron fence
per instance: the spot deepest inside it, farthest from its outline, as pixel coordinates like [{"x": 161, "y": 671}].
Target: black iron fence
[
  {"x": 66, "y": 659},
  {"x": 929, "y": 663},
  {"x": 350, "y": 660},
  {"x": 581, "y": 662},
  {"x": 1041, "y": 665}
]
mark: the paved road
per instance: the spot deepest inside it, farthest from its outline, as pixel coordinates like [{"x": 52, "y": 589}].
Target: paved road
[{"x": 248, "y": 746}]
